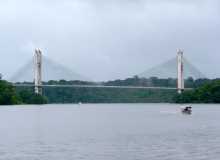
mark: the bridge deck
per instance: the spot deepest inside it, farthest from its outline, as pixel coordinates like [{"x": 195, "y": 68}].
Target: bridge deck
[{"x": 99, "y": 86}]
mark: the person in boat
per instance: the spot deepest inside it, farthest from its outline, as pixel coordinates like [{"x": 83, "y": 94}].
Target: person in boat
[{"x": 187, "y": 109}]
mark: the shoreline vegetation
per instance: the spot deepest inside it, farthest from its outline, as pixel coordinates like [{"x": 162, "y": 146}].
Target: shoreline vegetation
[
  {"x": 205, "y": 91},
  {"x": 10, "y": 96}
]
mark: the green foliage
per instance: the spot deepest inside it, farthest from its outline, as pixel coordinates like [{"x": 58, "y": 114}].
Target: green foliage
[
  {"x": 28, "y": 97},
  {"x": 119, "y": 95},
  {"x": 156, "y": 82},
  {"x": 106, "y": 95},
  {"x": 207, "y": 93},
  {"x": 109, "y": 95},
  {"x": 8, "y": 95}
]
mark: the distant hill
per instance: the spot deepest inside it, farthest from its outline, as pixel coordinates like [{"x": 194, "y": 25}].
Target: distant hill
[
  {"x": 169, "y": 70},
  {"x": 50, "y": 71}
]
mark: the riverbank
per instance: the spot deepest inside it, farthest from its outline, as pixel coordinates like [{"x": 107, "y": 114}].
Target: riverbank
[{"x": 207, "y": 91}]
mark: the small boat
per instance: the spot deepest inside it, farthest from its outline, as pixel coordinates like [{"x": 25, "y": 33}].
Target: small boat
[{"x": 186, "y": 110}]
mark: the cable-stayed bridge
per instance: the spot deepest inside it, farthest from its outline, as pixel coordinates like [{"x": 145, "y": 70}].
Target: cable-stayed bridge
[{"x": 178, "y": 68}]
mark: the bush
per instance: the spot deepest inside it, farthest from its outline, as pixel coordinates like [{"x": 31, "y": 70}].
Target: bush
[
  {"x": 8, "y": 95},
  {"x": 208, "y": 93},
  {"x": 28, "y": 97}
]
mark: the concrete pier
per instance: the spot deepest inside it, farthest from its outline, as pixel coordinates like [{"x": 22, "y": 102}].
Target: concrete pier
[
  {"x": 180, "y": 76},
  {"x": 38, "y": 71}
]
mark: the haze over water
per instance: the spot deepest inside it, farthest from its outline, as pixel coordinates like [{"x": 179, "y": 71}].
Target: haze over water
[{"x": 109, "y": 132}]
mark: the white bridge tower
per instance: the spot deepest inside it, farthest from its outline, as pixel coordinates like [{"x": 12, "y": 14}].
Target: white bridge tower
[
  {"x": 180, "y": 76},
  {"x": 38, "y": 71}
]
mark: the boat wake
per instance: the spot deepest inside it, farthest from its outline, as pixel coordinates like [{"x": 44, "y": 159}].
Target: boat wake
[{"x": 169, "y": 112}]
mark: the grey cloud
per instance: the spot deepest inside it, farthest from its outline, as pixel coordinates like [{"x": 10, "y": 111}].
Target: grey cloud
[{"x": 110, "y": 39}]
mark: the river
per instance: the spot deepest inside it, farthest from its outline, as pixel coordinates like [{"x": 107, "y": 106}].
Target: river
[{"x": 109, "y": 132}]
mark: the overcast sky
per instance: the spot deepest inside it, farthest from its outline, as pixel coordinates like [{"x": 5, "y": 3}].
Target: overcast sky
[{"x": 109, "y": 39}]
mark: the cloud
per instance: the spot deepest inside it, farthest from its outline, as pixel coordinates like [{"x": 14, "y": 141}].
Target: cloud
[{"x": 110, "y": 39}]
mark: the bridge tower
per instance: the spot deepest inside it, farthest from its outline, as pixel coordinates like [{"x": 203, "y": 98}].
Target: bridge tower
[
  {"x": 38, "y": 71},
  {"x": 180, "y": 76}
]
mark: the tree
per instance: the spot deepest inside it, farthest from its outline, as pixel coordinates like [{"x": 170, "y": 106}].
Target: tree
[
  {"x": 209, "y": 92},
  {"x": 29, "y": 97},
  {"x": 8, "y": 95}
]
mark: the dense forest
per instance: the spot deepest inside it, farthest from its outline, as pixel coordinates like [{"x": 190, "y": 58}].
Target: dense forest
[
  {"x": 116, "y": 95},
  {"x": 156, "y": 82},
  {"x": 9, "y": 95},
  {"x": 207, "y": 93}
]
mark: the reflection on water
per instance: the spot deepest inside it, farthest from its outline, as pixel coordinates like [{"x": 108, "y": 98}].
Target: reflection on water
[{"x": 109, "y": 132}]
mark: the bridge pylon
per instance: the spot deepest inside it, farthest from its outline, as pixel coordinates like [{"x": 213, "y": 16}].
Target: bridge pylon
[
  {"x": 180, "y": 68},
  {"x": 38, "y": 71}
]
